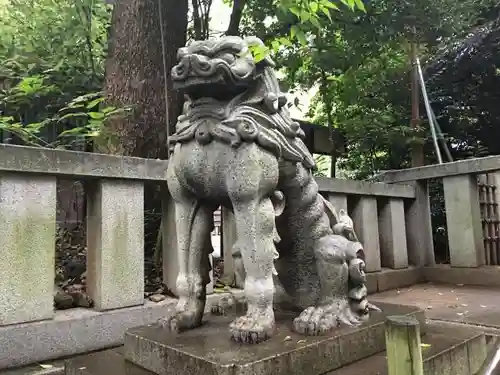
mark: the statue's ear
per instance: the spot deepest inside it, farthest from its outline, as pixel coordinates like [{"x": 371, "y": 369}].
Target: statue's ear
[{"x": 342, "y": 212}]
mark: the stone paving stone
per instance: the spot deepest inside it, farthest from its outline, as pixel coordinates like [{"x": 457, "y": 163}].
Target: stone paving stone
[{"x": 453, "y": 303}]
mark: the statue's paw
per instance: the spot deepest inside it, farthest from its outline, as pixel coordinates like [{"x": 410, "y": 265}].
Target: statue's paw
[
  {"x": 252, "y": 328},
  {"x": 319, "y": 320},
  {"x": 187, "y": 317},
  {"x": 223, "y": 306},
  {"x": 229, "y": 304}
]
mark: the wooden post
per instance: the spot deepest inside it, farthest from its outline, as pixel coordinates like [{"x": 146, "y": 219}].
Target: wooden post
[{"x": 404, "y": 353}]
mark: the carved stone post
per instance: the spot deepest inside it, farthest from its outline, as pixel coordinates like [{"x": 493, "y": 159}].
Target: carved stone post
[
  {"x": 419, "y": 228},
  {"x": 393, "y": 234},
  {"x": 463, "y": 221},
  {"x": 228, "y": 240},
  {"x": 338, "y": 201},
  {"x": 169, "y": 242},
  {"x": 115, "y": 241},
  {"x": 169, "y": 245},
  {"x": 27, "y": 247},
  {"x": 365, "y": 219}
]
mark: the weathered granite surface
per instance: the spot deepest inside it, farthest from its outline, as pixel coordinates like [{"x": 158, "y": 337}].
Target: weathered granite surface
[
  {"x": 235, "y": 145},
  {"x": 208, "y": 349}
]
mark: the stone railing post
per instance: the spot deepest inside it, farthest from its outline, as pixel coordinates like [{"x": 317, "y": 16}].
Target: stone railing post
[
  {"x": 338, "y": 201},
  {"x": 27, "y": 246},
  {"x": 228, "y": 240},
  {"x": 393, "y": 233},
  {"x": 115, "y": 241},
  {"x": 419, "y": 227},
  {"x": 169, "y": 242},
  {"x": 463, "y": 221},
  {"x": 365, "y": 219}
]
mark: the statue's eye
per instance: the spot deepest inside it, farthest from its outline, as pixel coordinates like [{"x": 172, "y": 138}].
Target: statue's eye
[{"x": 228, "y": 57}]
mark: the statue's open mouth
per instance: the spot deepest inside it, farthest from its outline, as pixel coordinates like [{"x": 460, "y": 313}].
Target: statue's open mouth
[
  {"x": 201, "y": 76},
  {"x": 217, "y": 90}
]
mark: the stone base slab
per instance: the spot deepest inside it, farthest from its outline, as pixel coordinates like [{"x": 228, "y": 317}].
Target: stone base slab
[
  {"x": 209, "y": 350},
  {"x": 77, "y": 331}
]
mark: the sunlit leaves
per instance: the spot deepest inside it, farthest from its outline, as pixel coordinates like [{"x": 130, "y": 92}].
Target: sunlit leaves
[{"x": 310, "y": 13}]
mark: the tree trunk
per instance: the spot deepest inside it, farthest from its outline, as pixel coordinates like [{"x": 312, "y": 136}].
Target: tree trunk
[
  {"x": 135, "y": 75},
  {"x": 236, "y": 14}
]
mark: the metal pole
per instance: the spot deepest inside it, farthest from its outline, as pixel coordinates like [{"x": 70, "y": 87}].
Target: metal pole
[
  {"x": 429, "y": 112},
  {"x": 441, "y": 137}
]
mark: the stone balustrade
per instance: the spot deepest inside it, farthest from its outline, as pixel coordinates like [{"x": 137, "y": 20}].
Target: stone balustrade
[
  {"x": 471, "y": 195},
  {"x": 391, "y": 220}
]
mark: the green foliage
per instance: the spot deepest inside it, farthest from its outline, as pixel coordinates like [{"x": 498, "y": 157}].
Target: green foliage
[
  {"x": 83, "y": 117},
  {"x": 52, "y": 56},
  {"x": 358, "y": 62}
]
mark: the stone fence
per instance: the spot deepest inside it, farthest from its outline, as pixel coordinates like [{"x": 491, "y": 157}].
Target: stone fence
[
  {"x": 471, "y": 194},
  {"x": 392, "y": 220}
]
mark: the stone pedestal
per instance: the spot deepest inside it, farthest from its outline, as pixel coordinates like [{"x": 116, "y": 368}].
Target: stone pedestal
[{"x": 209, "y": 350}]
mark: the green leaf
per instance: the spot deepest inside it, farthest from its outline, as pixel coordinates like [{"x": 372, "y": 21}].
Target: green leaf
[
  {"x": 360, "y": 5},
  {"x": 73, "y": 115},
  {"x": 259, "y": 52},
  {"x": 329, "y": 4},
  {"x": 326, "y": 12},
  {"x": 275, "y": 45},
  {"x": 349, "y": 3},
  {"x": 313, "y": 6},
  {"x": 315, "y": 21},
  {"x": 71, "y": 132},
  {"x": 96, "y": 115},
  {"x": 295, "y": 11},
  {"x": 94, "y": 103},
  {"x": 301, "y": 37},
  {"x": 285, "y": 41},
  {"x": 293, "y": 31},
  {"x": 305, "y": 15},
  {"x": 108, "y": 109}
]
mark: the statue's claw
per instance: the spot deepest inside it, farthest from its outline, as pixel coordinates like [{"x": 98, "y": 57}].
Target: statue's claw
[
  {"x": 320, "y": 320},
  {"x": 254, "y": 327},
  {"x": 228, "y": 304},
  {"x": 188, "y": 315}
]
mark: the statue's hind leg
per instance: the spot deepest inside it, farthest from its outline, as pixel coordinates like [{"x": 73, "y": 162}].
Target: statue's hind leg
[{"x": 334, "y": 305}]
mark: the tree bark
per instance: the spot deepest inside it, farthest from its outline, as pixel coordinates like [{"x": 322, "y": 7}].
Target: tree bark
[
  {"x": 135, "y": 75},
  {"x": 236, "y": 14}
]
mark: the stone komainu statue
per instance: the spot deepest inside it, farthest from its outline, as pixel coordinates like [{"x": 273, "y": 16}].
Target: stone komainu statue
[{"x": 235, "y": 145}]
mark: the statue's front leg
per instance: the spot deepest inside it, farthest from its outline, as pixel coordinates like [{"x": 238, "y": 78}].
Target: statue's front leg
[
  {"x": 255, "y": 234},
  {"x": 193, "y": 225}
]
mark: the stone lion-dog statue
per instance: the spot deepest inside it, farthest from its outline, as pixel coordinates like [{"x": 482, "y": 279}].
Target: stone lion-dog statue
[{"x": 236, "y": 146}]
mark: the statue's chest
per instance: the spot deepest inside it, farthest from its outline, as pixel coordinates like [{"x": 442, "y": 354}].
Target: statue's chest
[
  {"x": 205, "y": 130},
  {"x": 203, "y": 167}
]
